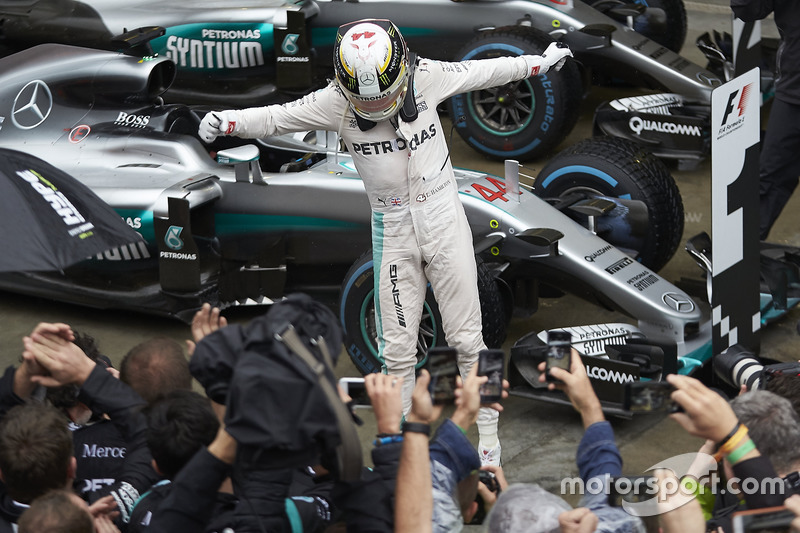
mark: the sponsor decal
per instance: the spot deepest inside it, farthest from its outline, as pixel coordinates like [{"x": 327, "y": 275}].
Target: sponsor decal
[
  {"x": 134, "y": 121},
  {"x": 131, "y": 252},
  {"x": 214, "y": 54},
  {"x": 591, "y": 257},
  {"x": 134, "y": 222},
  {"x": 601, "y": 332},
  {"x": 289, "y": 45},
  {"x": 643, "y": 280},
  {"x": 92, "y": 485},
  {"x": 60, "y": 204},
  {"x": 598, "y": 346},
  {"x": 173, "y": 238},
  {"x": 734, "y": 110},
  {"x": 432, "y": 192},
  {"x": 638, "y": 124},
  {"x": 32, "y": 105},
  {"x": 79, "y": 133},
  {"x": 101, "y": 452},
  {"x": 398, "y": 307},
  {"x": 604, "y": 374},
  {"x": 641, "y": 44},
  {"x": 178, "y": 256},
  {"x": 619, "y": 265}
]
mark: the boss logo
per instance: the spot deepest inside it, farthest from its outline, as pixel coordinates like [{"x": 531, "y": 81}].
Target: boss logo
[{"x": 133, "y": 121}]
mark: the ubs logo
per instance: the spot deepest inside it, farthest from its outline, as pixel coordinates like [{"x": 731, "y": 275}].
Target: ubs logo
[{"x": 32, "y": 105}]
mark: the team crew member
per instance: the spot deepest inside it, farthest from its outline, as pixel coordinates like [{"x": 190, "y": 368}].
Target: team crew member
[{"x": 384, "y": 107}]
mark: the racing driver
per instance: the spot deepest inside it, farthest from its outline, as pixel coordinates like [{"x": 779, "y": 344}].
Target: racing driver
[{"x": 383, "y": 105}]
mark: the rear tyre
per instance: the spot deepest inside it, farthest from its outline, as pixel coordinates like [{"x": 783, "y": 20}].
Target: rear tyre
[
  {"x": 357, "y": 314},
  {"x": 609, "y": 166},
  {"x": 525, "y": 119}
]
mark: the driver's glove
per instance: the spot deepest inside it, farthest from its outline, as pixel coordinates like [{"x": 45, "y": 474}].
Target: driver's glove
[
  {"x": 217, "y": 123},
  {"x": 553, "y": 57}
]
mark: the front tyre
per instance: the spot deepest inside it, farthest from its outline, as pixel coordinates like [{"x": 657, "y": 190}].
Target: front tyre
[
  {"x": 357, "y": 314},
  {"x": 522, "y": 120},
  {"x": 613, "y": 167}
]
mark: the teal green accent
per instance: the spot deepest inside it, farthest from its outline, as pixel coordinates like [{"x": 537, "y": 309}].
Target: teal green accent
[
  {"x": 146, "y": 229},
  {"x": 694, "y": 360},
  {"x": 362, "y": 319},
  {"x": 230, "y": 223},
  {"x": 166, "y": 44},
  {"x": 377, "y": 261},
  {"x": 295, "y": 522},
  {"x": 769, "y": 312}
]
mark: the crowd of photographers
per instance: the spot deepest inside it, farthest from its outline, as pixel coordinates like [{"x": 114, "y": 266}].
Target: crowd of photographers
[{"x": 271, "y": 444}]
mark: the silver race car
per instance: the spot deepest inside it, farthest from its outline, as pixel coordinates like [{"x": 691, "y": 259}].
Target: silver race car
[
  {"x": 252, "y": 52},
  {"x": 233, "y": 231}
]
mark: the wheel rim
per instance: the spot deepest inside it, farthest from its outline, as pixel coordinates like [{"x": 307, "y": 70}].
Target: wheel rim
[
  {"x": 505, "y": 110},
  {"x": 426, "y": 338}
]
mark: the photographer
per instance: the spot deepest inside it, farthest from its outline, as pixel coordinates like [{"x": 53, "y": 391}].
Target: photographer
[
  {"x": 708, "y": 415},
  {"x": 597, "y": 457}
]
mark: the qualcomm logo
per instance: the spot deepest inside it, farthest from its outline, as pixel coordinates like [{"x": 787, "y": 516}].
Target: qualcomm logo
[
  {"x": 605, "y": 374},
  {"x": 32, "y": 105},
  {"x": 637, "y": 125}
]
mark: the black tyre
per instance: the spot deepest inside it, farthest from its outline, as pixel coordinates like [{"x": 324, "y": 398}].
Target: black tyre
[
  {"x": 613, "y": 167},
  {"x": 521, "y": 120},
  {"x": 357, "y": 314},
  {"x": 670, "y": 32}
]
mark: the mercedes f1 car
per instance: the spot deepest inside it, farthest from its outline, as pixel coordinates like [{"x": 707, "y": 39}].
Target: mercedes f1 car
[
  {"x": 229, "y": 233},
  {"x": 253, "y": 52}
]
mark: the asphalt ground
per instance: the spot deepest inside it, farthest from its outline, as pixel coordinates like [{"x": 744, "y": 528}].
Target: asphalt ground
[{"x": 539, "y": 440}]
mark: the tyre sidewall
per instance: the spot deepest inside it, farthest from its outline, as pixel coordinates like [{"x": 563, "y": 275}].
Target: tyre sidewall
[{"x": 556, "y": 95}]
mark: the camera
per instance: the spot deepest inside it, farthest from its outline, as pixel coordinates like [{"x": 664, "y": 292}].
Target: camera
[
  {"x": 490, "y": 480},
  {"x": 737, "y": 366}
]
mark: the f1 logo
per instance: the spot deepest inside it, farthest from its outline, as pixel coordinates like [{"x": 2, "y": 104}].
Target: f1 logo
[{"x": 741, "y": 106}]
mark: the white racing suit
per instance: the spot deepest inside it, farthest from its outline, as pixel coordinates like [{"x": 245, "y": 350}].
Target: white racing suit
[{"x": 420, "y": 232}]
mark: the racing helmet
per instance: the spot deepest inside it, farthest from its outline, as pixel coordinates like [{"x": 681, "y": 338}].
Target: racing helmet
[{"x": 372, "y": 69}]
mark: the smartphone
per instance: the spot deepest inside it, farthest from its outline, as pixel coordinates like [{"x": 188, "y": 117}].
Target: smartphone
[
  {"x": 764, "y": 520},
  {"x": 559, "y": 349},
  {"x": 649, "y": 396},
  {"x": 443, "y": 366},
  {"x": 355, "y": 388},
  {"x": 491, "y": 363}
]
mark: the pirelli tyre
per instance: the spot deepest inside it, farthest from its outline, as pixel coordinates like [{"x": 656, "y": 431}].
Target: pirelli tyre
[
  {"x": 664, "y": 22},
  {"x": 521, "y": 120},
  {"x": 357, "y": 314},
  {"x": 619, "y": 168}
]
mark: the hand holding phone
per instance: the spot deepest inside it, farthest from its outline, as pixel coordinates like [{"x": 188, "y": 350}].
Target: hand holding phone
[
  {"x": 443, "y": 367},
  {"x": 559, "y": 353},
  {"x": 491, "y": 363},
  {"x": 357, "y": 390}
]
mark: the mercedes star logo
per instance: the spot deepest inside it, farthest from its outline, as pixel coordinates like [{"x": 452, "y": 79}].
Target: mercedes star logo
[
  {"x": 680, "y": 303},
  {"x": 32, "y": 105},
  {"x": 366, "y": 78}
]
